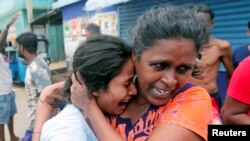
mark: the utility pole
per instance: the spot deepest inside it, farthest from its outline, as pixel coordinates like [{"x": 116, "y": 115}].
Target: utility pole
[{"x": 29, "y": 12}]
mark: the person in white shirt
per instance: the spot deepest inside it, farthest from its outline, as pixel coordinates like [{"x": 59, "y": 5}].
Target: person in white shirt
[
  {"x": 105, "y": 64},
  {"x": 7, "y": 98}
]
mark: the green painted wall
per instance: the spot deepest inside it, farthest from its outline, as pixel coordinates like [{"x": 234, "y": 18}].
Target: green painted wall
[
  {"x": 56, "y": 43},
  {"x": 10, "y": 7},
  {"x": 54, "y": 29}
]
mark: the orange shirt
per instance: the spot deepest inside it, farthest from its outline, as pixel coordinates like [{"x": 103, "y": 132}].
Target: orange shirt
[{"x": 191, "y": 109}]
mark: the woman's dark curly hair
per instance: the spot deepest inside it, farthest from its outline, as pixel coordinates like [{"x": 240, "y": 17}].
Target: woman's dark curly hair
[{"x": 98, "y": 60}]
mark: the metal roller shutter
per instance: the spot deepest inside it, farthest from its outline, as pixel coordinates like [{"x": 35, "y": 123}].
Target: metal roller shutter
[{"x": 231, "y": 17}]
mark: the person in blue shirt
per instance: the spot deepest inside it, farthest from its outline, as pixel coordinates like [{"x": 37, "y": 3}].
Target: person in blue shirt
[{"x": 242, "y": 52}]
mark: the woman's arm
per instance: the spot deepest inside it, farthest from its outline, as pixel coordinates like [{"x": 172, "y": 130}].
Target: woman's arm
[
  {"x": 100, "y": 124},
  {"x": 44, "y": 109},
  {"x": 237, "y": 103},
  {"x": 87, "y": 103},
  {"x": 235, "y": 112}
]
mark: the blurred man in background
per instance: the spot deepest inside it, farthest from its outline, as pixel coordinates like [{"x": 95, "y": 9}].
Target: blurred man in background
[
  {"x": 242, "y": 52},
  {"x": 37, "y": 77},
  {"x": 92, "y": 30},
  {"x": 212, "y": 53}
]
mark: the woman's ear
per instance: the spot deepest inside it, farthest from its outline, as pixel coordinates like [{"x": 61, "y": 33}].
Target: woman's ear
[
  {"x": 21, "y": 48},
  {"x": 98, "y": 92}
]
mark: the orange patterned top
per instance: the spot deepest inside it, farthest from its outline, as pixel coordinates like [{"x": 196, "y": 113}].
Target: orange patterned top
[{"x": 190, "y": 108}]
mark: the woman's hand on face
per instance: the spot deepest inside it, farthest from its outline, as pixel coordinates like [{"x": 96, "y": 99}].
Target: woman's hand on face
[{"x": 80, "y": 96}]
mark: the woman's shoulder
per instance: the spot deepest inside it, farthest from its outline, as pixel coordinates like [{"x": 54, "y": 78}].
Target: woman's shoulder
[
  {"x": 193, "y": 92},
  {"x": 191, "y": 109}
]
